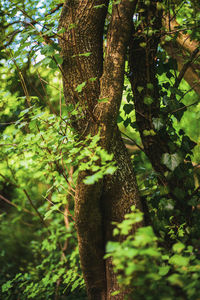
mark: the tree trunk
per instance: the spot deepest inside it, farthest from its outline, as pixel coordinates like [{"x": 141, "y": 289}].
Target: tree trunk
[
  {"x": 96, "y": 206},
  {"x": 142, "y": 63},
  {"x": 145, "y": 87}
]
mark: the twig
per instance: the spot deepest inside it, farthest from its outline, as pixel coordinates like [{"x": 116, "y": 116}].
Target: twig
[
  {"x": 33, "y": 22},
  {"x": 13, "y": 204},
  {"x": 48, "y": 83},
  {"x": 54, "y": 9},
  {"x": 60, "y": 100},
  {"x": 185, "y": 67},
  {"x": 185, "y": 106},
  {"x": 188, "y": 91},
  {"x": 35, "y": 208},
  {"x": 11, "y": 38},
  {"x": 133, "y": 141},
  {"x": 23, "y": 83},
  {"x": 8, "y": 144},
  {"x": 60, "y": 210}
]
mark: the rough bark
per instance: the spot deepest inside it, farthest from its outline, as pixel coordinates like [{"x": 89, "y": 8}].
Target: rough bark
[
  {"x": 85, "y": 35},
  {"x": 118, "y": 193},
  {"x": 96, "y": 206}
]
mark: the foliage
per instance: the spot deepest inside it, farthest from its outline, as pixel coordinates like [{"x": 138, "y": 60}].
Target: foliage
[
  {"x": 51, "y": 271},
  {"x": 39, "y": 150},
  {"x": 148, "y": 269},
  {"x": 41, "y": 155}
]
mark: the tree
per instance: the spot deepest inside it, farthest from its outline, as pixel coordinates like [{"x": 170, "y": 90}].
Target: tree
[
  {"x": 111, "y": 50},
  {"x": 83, "y": 61},
  {"x": 111, "y": 197}
]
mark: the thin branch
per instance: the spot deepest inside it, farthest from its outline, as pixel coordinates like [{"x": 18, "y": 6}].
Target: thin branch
[
  {"x": 8, "y": 123},
  {"x": 185, "y": 67},
  {"x": 10, "y": 24},
  {"x": 60, "y": 100},
  {"x": 133, "y": 141},
  {"x": 35, "y": 208},
  {"x": 12, "y": 36},
  {"x": 54, "y": 9},
  {"x": 8, "y": 180},
  {"x": 16, "y": 206},
  {"x": 185, "y": 106},
  {"x": 60, "y": 210},
  {"x": 23, "y": 83},
  {"x": 15, "y": 145},
  {"x": 33, "y": 22},
  {"x": 48, "y": 83}
]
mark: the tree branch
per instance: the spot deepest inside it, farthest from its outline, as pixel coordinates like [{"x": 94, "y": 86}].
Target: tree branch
[
  {"x": 179, "y": 49},
  {"x": 16, "y": 206},
  {"x": 185, "y": 68}
]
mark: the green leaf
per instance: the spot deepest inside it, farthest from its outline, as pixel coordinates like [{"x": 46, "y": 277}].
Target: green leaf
[
  {"x": 164, "y": 270},
  {"x": 171, "y": 160},
  {"x": 53, "y": 208},
  {"x": 140, "y": 89},
  {"x": 149, "y": 132},
  {"x": 127, "y": 122},
  {"x": 112, "y": 246},
  {"x": 150, "y": 86},
  {"x": 110, "y": 170},
  {"x": 178, "y": 109},
  {"x": 38, "y": 115},
  {"x": 103, "y": 100},
  {"x": 58, "y": 58},
  {"x": 53, "y": 64},
  {"x": 22, "y": 124},
  {"x": 75, "y": 285},
  {"x": 99, "y": 6},
  {"x": 175, "y": 279},
  {"x": 187, "y": 144},
  {"x": 168, "y": 38},
  {"x": 6, "y": 286},
  {"x": 80, "y": 87},
  {"x": 93, "y": 79},
  {"x": 128, "y": 108},
  {"x": 115, "y": 293},
  {"x": 62, "y": 30},
  {"x": 105, "y": 156},
  {"x": 86, "y": 54},
  {"x": 158, "y": 123},
  {"x": 55, "y": 277},
  {"x": 179, "y": 260},
  {"x": 71, "y": 26},
  {"x": 178, "y": 247},
  {"x": 93, "y": 178},
  {"x": 46, "y": 61},
  {"x": 23, "y": 112},
  {"x": 119, "y": 119},
  {"x": 48, "y": 50},
  {"x": 143, "y": 44},
  {"x": 148, "y": 100}
]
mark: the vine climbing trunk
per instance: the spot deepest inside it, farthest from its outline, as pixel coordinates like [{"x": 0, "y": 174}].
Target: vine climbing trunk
[
  {"x": 142, "y": 63},
  {"x": 108, "y": 200},
  {"x": 158, "y": 144}
]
